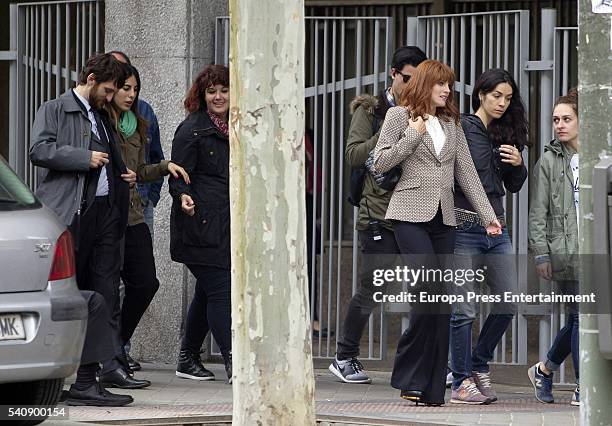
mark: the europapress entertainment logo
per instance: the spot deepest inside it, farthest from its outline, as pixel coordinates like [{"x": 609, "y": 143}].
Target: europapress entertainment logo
[{"x": 414, "y": 276}]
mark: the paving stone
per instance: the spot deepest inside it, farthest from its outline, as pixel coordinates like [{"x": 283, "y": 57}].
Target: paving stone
[{"x": 172, "y": 398}]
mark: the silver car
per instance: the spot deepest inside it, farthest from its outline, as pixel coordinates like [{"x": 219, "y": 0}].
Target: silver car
[{"x": 43, "y": 316}]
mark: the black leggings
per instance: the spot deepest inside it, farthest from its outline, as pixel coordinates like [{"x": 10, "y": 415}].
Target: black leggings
[
  {"x": 212, "y": 300},
  {"x": 422, "y": 351}
]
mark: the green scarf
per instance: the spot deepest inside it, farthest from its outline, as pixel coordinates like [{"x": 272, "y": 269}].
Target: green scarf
[{"x": 128, "y": 123}]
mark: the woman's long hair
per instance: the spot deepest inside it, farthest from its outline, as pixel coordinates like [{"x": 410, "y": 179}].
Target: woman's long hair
[
  {"x": 511, "y": 128},
  {"x": 130, "y": 70},
  {"x": 417, "y": 94},
  {"x": 211, "y": 75}
]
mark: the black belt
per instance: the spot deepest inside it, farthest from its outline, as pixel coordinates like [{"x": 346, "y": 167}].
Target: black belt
[{"x": 462, "y": 215}]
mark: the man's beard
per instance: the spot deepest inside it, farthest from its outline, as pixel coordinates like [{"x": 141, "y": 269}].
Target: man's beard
[{"x": 94, "y": 102}]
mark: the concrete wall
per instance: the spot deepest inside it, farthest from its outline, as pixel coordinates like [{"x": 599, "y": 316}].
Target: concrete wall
[{"x": 169, "y": 41}]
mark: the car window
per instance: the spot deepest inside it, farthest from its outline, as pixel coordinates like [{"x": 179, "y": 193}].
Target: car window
[{"x": 14, "y": 194}]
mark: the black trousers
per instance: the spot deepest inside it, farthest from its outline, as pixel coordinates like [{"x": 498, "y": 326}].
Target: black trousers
[
  {"x": 139, "y": 278},
  {"x": 310, "y": 241},
  {"x": 377, "y": 254},
  {"x": 422, "y": 351},
  {"x": 98, "y": 340},
  {"x": 211, "y": 306},
  {"x": 98, "y": 262}
]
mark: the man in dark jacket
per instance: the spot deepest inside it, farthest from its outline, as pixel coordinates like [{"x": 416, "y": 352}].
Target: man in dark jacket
[
  {"x": 375, "y": 233},
  {"x": 85, "y": 182}
]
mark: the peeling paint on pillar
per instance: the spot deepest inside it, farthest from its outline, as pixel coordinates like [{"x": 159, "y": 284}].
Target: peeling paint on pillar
[
  {"x": 595, "y": 110},
  {"x": 271, "y": 323}
]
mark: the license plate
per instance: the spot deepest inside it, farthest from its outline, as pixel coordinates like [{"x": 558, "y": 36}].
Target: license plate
[{"x": 11, "y": 327}]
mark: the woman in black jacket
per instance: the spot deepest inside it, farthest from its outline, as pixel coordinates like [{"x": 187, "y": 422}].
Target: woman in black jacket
[
  {"x": 496, "y": 135},
  {"x": 200, "y": 219}
]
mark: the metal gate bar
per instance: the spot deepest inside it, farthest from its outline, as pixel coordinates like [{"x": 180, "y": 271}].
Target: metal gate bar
[{"x": 37, "y": 72}]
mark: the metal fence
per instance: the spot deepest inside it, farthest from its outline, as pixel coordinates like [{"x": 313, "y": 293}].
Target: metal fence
[
  {"x": 565, "y": 61},
  {"x": 471, "y": 44},
  {"x": 345, "y": 56},
  {"x": 337, "y": 69},
  {"x": 52, "y": 40}
]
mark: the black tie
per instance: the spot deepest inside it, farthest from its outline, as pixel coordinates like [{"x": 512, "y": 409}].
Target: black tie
[{"x": 103, "y": 136}]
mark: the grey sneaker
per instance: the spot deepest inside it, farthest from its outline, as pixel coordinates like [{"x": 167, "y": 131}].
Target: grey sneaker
[
  {"x": 449, "y": 380},
  {"x": 483, "y": 383},
  {"x": 542, "y": 385},
  {"x": 468, "y": 393},
  {"x": 349, "y": 370}
]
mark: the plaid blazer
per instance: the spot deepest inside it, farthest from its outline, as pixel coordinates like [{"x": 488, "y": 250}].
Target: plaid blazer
[{"x": 428, "y": 179}]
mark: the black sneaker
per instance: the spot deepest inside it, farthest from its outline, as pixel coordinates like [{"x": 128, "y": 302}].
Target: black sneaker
[
  {"x": 132, "y": 363},
  {"x": 228, "y": 367},
  {"x": 349, "y": 370},
  {"x": 190, "y": 367}
]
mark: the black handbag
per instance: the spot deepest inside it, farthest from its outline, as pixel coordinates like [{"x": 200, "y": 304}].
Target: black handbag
[
  {"x": 390, "y": 179},
  {"x": 356, "y": 183}
]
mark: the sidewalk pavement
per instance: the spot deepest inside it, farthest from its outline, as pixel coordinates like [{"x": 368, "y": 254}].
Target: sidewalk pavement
[{"x": 171, "y": 400}]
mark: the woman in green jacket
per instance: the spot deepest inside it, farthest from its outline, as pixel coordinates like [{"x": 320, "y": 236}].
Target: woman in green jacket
[
  {"x": 138, "y": 270},
  {"x": 553, "y": 237}
]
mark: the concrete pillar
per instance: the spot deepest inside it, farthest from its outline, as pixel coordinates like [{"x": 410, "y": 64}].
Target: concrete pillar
[{"x": 169, "y": 41}]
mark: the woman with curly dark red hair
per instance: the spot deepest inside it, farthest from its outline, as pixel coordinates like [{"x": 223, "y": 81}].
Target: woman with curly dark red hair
[{"x": 200, "y": 219}]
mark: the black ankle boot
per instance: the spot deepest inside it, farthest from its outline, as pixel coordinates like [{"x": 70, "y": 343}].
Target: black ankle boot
[
  {"x": 190, "y": 367},
  {"x": 228, "y": 367}
]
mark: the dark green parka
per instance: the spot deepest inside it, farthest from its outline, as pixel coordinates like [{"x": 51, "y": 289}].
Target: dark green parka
[{"x": 361, "y": 140}]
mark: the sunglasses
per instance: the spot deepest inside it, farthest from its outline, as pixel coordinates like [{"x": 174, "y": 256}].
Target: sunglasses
[{"x": 405, "y": 77}]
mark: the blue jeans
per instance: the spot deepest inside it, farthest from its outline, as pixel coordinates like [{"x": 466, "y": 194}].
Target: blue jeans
[
  {"x": 567, "y": 339},
  {"x": 474, "y": 249}
]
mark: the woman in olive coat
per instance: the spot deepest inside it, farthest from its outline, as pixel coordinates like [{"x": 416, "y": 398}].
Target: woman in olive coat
[{"x": 553, "y": 237}]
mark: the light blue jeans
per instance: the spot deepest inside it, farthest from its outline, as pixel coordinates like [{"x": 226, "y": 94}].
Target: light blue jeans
[{"x": 475, "y": 249}]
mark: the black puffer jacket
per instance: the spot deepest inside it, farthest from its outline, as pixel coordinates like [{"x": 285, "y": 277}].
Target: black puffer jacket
[
  {"x": 493, "y": 173},
  {"x": 204, "y": 238}
]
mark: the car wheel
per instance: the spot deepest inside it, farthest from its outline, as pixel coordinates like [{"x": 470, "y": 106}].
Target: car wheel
[{"x": 41, "y": 392}]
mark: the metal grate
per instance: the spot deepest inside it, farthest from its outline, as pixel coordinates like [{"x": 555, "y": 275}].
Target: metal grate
[{"x": 52, "y": 40}]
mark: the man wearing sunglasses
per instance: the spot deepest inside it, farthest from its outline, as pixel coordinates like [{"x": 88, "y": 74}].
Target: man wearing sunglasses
[{"x": 375, "y": 233}]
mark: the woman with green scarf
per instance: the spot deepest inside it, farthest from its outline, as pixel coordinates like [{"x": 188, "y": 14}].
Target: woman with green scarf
[{"x": 138, "y": 270}]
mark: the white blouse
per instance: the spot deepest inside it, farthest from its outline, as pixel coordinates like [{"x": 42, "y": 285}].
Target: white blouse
[{"x": 432, "y": 124}]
